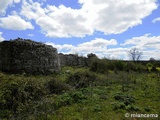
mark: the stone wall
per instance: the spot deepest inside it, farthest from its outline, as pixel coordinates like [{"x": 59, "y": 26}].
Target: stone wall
[
  {"x": 18, "y": 56},
  {"x": 72, "y": 60}
]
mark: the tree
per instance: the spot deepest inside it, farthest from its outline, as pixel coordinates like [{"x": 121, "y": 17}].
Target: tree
[
  {"x": 135, "y": 54},
  {"x": 152, "y": 59},
  {"x": 91, "y": 55}
]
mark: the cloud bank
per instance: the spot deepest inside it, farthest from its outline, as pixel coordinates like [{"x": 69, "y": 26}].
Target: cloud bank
[
  {"x": 149, "y": 45},
  {"x": 109, "y": 17}
]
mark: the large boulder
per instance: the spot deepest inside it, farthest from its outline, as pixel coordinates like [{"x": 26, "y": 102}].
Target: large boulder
[{"x": 19, "y": 56}]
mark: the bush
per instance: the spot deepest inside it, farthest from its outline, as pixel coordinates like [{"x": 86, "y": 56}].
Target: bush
[
  {"x": 64, "y": 99},
  {"x": 99, "y": 66},
  {"x": 56, "y": 86},
  {"x": 132, "y": 108},
  {"x": 97, "y": 108},
  {"x": 154, "y": 69},
  {"x": 70, "y": 98},
  {"x": 149, "y": 65},
  {"x": 82, "y": 79},
  {"x": 78, "y": 96},
  {"x": 141, "y": 68},
  {"x": 119, "y": 65},
  {"x": 103, "y": 65},
  {"x": 126, "y": 99},
  {"x": 131, "y": 66},
  {"x": 20, "y": 92},
  {"x": 147, "y": 109},
  {"x": 118, "y": 105}
]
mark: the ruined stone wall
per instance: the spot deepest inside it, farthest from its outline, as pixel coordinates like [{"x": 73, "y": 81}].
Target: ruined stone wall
[
  {"x": 18, "y": 56},
  {"x": 72, "y": 60}
]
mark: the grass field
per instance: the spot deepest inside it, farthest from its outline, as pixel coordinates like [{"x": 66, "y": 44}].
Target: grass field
[{"x": 80, "y": 94}]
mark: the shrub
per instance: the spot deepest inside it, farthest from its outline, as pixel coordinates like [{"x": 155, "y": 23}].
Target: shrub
[
  {"x": 99, "y": 66},
  {"x": 154, "y": 69},
  {"x": 118, "y": 105},
  {"x": 97, "y": 108},
  {"x": 64, "y": 99},
  {"x": 119, "y": 65},
  {"x": 70, "y": 98},
  {"x": 126, "y": 99},
  {"x": 103, "y": 65},
  {"x": 132, "y": 108},
  {"x": 147, "y": 109},
  {"x": 82, "y": 79},
  {"x": 56, "y": 86},
  {"x": 131, "y": 66},
  {"x": 78, "y": 96},
  {"x": 149, "y": 65},
  {"x": 141, "y": 68},
  {"x": 15, "y": 93}
]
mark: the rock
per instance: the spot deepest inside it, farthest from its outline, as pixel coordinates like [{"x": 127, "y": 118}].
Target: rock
[
  {"x": 19, "y": 56},
  {"x": 67, "y": 71}
]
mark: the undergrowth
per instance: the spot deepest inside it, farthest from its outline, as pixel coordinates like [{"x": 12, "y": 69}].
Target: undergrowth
[{"x": 81, "y": 93}]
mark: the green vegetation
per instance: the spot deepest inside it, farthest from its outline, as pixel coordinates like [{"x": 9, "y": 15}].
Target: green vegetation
[{"x": 105, "y": 90}]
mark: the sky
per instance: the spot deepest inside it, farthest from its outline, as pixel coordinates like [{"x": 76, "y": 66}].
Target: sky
[{"x": 107, "y": 28}]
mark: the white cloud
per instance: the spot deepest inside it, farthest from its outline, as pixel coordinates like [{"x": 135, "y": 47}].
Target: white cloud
[
  {"x": 30, "y": 35},
  {"x": 61, "y": 47},
  {"x": 63, "y": 22},
  {"x": 1, "y": 38},
  {"x": 109, "y": 17},
  {"x": 98, "y": 46},
  {"x": 16, "y": 1},
  {"x": 149, "y": 45},
  {"x": 15, "y": 22},
  {"x": 5, "y": 3},
  {"x": 117, "y": 53},
  {"x": 113, "y": 17},
  {"x": 156, "y": 20},
  {"x": 144, "y": 42},
  {"x": 32, "y": 10}
]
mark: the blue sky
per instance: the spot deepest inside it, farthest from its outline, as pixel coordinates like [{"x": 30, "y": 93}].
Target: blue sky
[{"x": 108, "y": 28}]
